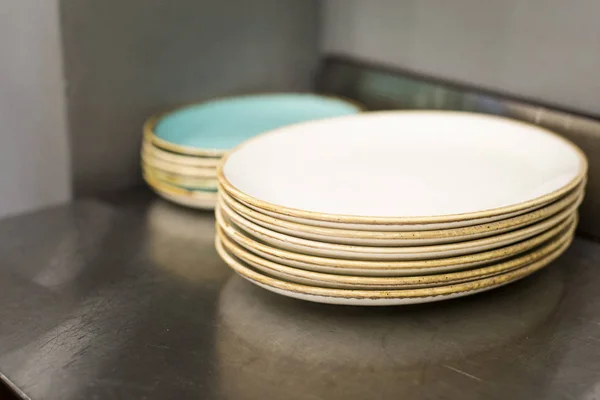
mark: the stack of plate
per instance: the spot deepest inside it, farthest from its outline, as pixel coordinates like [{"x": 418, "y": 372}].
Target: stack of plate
[
  {"x": 182, "y": 148},
  {"x": 397, "y": 207}
]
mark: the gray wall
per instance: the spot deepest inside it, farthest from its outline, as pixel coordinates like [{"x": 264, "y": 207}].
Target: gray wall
[
  {"x": 34, "y": 157},
  {"x": 125, "y": 60},
  {"x": 542, "y": 49}
]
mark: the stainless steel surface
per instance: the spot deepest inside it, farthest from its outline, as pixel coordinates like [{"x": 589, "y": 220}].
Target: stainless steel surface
[
  {"x": 126, "y": 60},
  {"x": 379, "y": 88},
  {"x": 125, "y": 298}
]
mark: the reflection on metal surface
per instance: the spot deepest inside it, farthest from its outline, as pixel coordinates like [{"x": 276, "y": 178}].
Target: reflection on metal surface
[
  {"x": 120, "y": 327},
  {"x": 124, "y": 327},
  {"x": 264, "y": 341},
  {"x": 380, "y": 89},
  {"x": 54, "y": 260},
  {"x": 179, "y": 240}
]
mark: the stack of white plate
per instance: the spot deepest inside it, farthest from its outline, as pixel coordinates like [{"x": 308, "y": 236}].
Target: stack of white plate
[
  {"x": 181, "y": 148},
  {"x": 397, "y": 207}
]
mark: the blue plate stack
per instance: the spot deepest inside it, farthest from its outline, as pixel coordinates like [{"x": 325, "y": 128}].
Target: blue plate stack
[{"x": 182, "y": 148}]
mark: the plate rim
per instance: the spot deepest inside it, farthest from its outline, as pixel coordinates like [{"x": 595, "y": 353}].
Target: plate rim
[
  {"x": 381, "y": 250},
  {"x": 197, "y": 184},
  {"x": 561, "y": 241},
  {"x": 150, "y": 124},
  {"x": 196, "y": 172},
  {"x": 202, "y": 204},
  {"x": 462, "y": 233},
  {"x": 357, "y": 219},
  {"x": 350, "y": 294},
  {"x": 190, "y": 161},
  {"x": 172, "y": 190},
  {"x": 460, "y": 262}
]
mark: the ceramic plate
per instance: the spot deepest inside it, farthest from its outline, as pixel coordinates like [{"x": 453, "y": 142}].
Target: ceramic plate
[
  {"x": 380, "y": 297},
  {"x": 149, "y": 150},
  {"x": 403, "y": 227},
  {"x": 304, "y": 277},
  {"x": 189, "y": 198},
  {"x": 192, "y": 172},
  {"x": 393, "y": 268},
  {"x": 403, "y": 167},
  {"x": 385, "y": 238},
  {"x": 354, "y": 252},
  {"x": 213, "y": 127},
  {"x": 182, "y": 181}
]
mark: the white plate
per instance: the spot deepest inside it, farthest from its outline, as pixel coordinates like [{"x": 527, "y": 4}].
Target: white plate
[
  {"x": 403, "y": 167},
  {"x": 310, "y": 278},
  {"x": 403, "y": 227},
  {"x": 379, "y": 297},
  {"x": 386, "y": 238},
  {"x": 395, "y": 268},
  {"x": 353, "y": 252}
]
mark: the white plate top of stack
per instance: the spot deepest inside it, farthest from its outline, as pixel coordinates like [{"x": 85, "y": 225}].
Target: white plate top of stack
[{"x": 403, "y": 164}]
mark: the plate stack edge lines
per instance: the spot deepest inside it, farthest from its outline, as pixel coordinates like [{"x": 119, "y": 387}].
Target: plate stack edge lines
[{"x": 348, "y": 210}]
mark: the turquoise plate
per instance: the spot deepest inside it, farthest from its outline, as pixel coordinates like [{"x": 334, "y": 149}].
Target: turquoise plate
[{"x": 216, "y": 126}]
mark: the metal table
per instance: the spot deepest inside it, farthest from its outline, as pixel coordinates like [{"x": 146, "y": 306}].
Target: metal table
[{"x": 125, "y": 298}]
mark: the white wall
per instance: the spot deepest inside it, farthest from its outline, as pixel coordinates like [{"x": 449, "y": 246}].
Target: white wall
[
  {"x": 34, "y": 166},
  {"x": 541, "y": 49}
]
